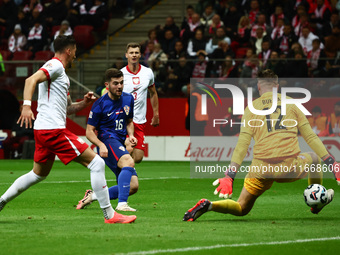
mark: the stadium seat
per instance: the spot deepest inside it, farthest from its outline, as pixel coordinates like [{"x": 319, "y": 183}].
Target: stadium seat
[
  {"x": 22, "y": 55},
  {"x": 241, "y": 52},
  {"x": 44, "y": 55},
  {"x": 6, "y": 54},
  {"x": 54, "y": 30},
  {"x": 84, "y": 37}
]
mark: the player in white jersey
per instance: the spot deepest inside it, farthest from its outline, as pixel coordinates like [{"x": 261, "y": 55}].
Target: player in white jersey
[
  {"x": 50, "y": 133},
  {"x": 138, "y": 80}
]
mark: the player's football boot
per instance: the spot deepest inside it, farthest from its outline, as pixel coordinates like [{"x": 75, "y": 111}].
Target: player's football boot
[
  {"x": 125, "y": 208},
  {"x": 330, "y": 193},
  {"x": 119, "y": 218},
  {"x": 87, "y": 200},
  {"x": 201, "y": 207}
]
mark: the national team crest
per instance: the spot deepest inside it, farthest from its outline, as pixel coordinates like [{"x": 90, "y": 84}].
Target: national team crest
[
  {"x": 122, "y": 148},
  {"x": 127, "y": 109},
  {"x": 135, "y": 80}
]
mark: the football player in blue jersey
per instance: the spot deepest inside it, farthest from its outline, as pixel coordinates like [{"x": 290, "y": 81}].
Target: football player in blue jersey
[{"x": 111, "y": 116}]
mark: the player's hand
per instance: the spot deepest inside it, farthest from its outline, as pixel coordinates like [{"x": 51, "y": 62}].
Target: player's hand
[
  {"x": 103, "y": 152},
  {"x": 155, "y": 121},
  {"x": 133, "y": 140},
  {"x": 89, "y": 98},
  {"x": 225, "y": 187},
  {"x": 26, "y": 117}
]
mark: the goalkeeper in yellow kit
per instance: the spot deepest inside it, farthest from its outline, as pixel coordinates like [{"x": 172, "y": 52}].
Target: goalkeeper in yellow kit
[{"x": 276, "y": 147}]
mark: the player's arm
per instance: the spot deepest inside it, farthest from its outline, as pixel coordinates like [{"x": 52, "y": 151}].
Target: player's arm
[
  {"x": 89, "y": 98},
  {"x": 30, "y": 83},
  {"x": 226, "y": 184},
  {"x": 91, "y": 135},
  {"x": 319, "y": 148},
  {"x": 130, "y": 131},
  {"x": 154, "y": 104}
]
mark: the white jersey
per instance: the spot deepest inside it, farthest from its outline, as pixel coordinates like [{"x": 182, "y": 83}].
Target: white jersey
[
  {"x": 52, "y": 100},
  {"x": 137, "y": 85}
]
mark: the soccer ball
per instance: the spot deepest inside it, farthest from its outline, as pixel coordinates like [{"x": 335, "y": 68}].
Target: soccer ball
[{"x": 315, "y": 196}]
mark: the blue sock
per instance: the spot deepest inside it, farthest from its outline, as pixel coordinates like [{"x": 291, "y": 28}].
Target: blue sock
[
  {"x": 113, "y": 192},
  {"x": 124, "y": 180}
]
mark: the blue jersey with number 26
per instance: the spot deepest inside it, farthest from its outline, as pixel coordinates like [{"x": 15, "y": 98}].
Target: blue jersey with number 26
[{"x": 110, "y": 116}]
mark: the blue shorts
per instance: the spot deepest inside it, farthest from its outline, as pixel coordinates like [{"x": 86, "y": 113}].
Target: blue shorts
[{"x": 116, "y": 150}]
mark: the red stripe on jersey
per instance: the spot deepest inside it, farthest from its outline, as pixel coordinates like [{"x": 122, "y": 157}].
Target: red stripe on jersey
[
  {"x": 46, "y": 73},
  {"x": 114, "y": 153},
  {"x": 128, "y": 69},
  {"x": 59, "y": 60}
]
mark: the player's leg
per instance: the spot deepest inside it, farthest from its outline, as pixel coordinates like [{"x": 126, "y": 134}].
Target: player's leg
[
  {"x": 137, "y": 155},
  {"x": 138, "y": 151},
  {"x": 39, "y": 172},
  {"x": 126, "y": 163}
]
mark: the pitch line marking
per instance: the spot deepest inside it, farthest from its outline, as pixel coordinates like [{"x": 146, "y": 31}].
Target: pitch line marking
[
  {"x": 81, "y": 181},
  {"x": 198, "y": 248}
]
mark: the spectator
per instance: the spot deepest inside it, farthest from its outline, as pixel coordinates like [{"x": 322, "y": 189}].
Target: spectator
[
  {"x": 297, "y": 68},
  {"x": 55, "y": 13},
  {"x": 214, "y": 23},
  {"x": 17, "y": 41},
  {"x": 256, "y": 42},
  {"x": 148, "y": 51},
  {"x": 190, "y": 27},
  {"x": 65, "y": 29},
  {"x": 254, "y": 11},
  {"x": 295, "y": 48},
  {"x": 318, "y": 121},
  {"x": 177, "y": 53},
  {"x": 188, "y": 17},
  {"x": 278, "y": 29},
  {"x": 250, "y": 66},
  {"x": 152, "y": 37},
  {"x": 29, "y": 7},
  {"x": 37, "y": 37},
  {"x": 213, "y": 42},
  {"x": 157, "y": 55},
  {"x": 265, "y": 53},
  {"x": 243, "y": 30},
  {"x": 329, "y": 25},
  {"x": 276, "y": 64},
  {"x": 306, "y": 40},
  {"x": 284, "y": 43},
  {"x": 276, "y": 16},
  {"x": 180, "y": 75},
  {"x": 316, "y": 60},
  {"x": 332, "y": 42},
  {"x": 228, "y": 68},
  {"x": 36, "y": 15},
  {"x": 8, "y": 14},
  {"x": 303, "y": 23},
  {"x": 207, "y": 15},
  {"x": 200, "y": 66},
  {"x": 169, "y": 25},
  {"x": 78, "y": 11},
  {"x": 97, "y": 15},
  {"x": 168, "y": 44},
  {"x": 23, "y": 21},
  {"x": 335, "y": 120},
  {"x": 321, "y": 14},
  {"x": 196, "y": 44},
  {"x": 231, "y": 19},
  {"x": 261, "y": 22},
  {"x": 300, "y": 10}
]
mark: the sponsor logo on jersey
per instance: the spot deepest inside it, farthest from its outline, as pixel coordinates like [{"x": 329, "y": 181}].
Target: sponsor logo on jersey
[
  {"x": 122, "y": 148},
  {"x": 127, "y": 109},
  {"x": 135, "y": 80},
  {"x": 109, "y": 114},
  {"x": 119, "y": 112},
  {"x": 49, "y": 65}
]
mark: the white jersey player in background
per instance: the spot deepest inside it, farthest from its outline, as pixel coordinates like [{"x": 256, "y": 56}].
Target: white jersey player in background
[
  {"x": 50, "y": 133},
  {"x": 138, "y": 80}
]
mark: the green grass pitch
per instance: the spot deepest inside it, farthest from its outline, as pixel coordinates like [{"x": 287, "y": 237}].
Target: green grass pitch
[{"x": 43, "y": 220}]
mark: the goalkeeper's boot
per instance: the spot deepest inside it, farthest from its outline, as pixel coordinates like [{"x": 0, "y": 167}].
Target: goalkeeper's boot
[
  {"x": 119, "y": 218},
  {"x": 87, "y": 200},
  {"x": 125, "y": 208},
  {"x": 201, "y": 207},
  {"x": 330, "y": 194}
]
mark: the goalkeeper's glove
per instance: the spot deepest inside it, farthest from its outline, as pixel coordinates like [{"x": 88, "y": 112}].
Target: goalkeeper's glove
[
  {"x": 334, "y": 166},
  {"x": 225, "y": 185}
]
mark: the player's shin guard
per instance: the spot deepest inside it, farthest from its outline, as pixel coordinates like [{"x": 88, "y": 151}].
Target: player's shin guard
[
  {"x": 99, "y": 186},
  {"x": 124, "y": 180},
  {"x": 315, "y": 176},
  {"x": 21, "y": 184},
  {"x": 227, "y": 206}
]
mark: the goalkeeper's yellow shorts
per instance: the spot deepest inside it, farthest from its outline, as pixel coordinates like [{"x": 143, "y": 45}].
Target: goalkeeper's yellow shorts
[{"x": 262, "y": 173}]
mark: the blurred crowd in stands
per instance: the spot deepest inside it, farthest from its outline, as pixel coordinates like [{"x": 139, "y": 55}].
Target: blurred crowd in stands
[{"x": 229, "y": 39}]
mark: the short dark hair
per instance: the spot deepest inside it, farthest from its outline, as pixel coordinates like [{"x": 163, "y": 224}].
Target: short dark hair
[
  {"x": 62, "y": 42},
  {"x": 133, "y": 45},
  {"x": 267, "y": 75},
  {"x": 112, "y": 73}
]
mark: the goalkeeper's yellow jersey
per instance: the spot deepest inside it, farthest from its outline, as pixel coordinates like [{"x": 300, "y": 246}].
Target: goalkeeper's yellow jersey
[{"x": 275, "y": 135}]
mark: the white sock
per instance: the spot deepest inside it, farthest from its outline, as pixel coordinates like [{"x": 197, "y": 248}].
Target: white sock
[
  {"x": 94, "y": 197},
  {"x": 121, "y": 203},
  {"x": 21, "y": 184},
  {"x": 99, "y": 186}
]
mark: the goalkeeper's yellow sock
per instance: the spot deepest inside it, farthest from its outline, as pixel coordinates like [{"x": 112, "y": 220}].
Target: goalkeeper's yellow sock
[
  {"x": 227, "y": 206},
  {"x": 315, "y": 177}
]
